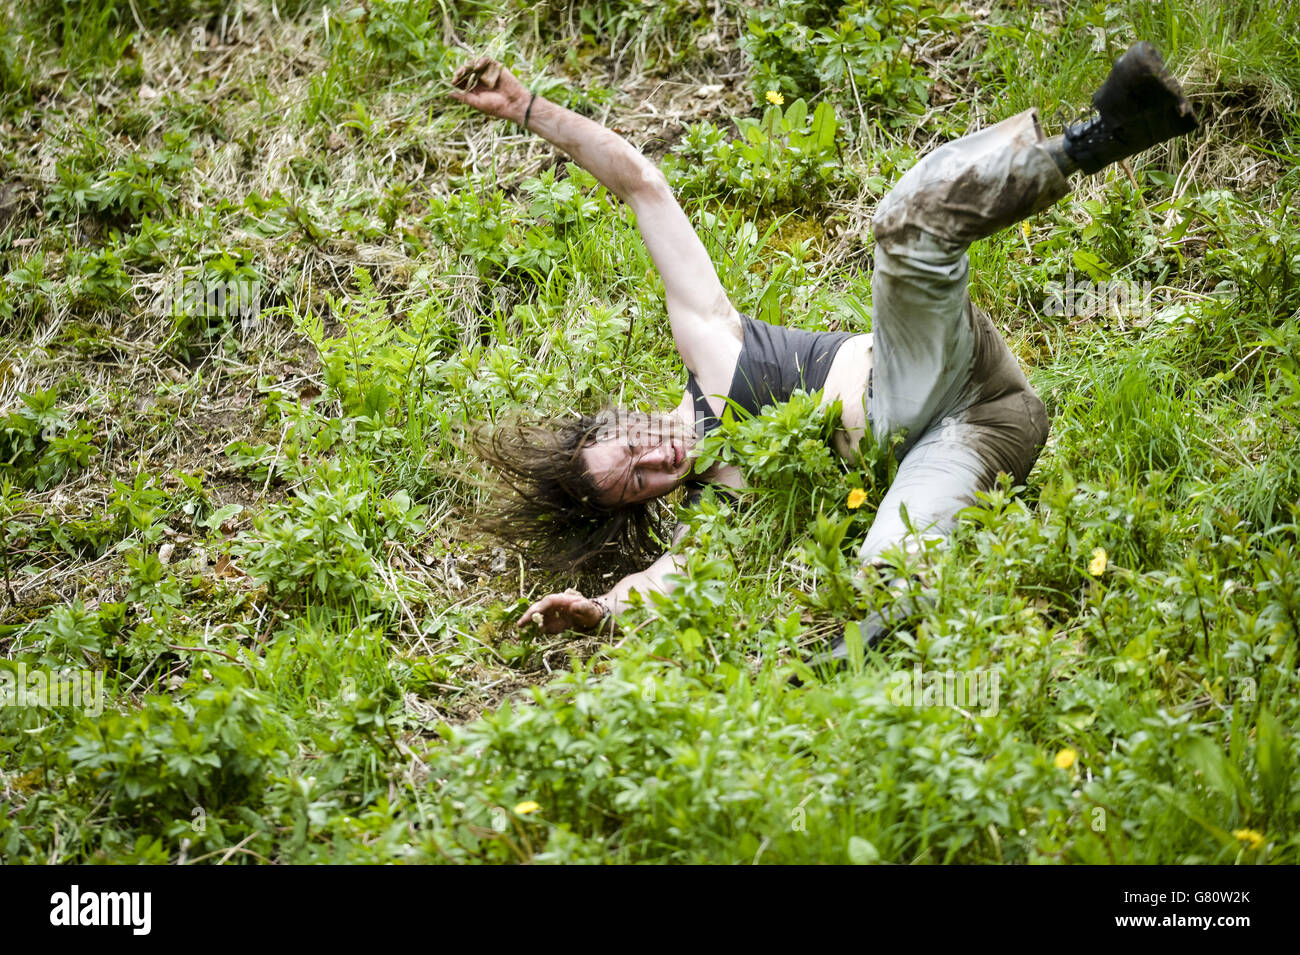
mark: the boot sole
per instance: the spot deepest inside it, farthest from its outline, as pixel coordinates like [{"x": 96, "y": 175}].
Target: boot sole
[{"x": 1140, "y": 85}]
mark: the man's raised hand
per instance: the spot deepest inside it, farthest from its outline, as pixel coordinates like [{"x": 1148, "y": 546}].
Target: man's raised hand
[
  {"x": 567, "y": 611},
  {"x": 490, "y": 88}
]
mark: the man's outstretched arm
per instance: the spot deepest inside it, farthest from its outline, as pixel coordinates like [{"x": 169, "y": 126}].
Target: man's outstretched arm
[
  {"x": 572, "y": 611},
  {"x": 705, "y": 325}
]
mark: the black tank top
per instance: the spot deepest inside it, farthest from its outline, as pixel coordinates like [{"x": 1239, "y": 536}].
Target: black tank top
[{"x": 774, "y": 361}]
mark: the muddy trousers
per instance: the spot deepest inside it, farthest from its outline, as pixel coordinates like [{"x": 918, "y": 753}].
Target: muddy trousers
[{"x": 940, "y": 371}]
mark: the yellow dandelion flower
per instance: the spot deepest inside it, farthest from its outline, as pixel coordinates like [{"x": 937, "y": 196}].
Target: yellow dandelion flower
[
  {"x": 1024, "y": 228},
  {"x": 1251, "y": 837},
  {"x": 1065, "y": 758},
  {"x": 524, "y": 808},
  {"x": 857, "y": 497},
  {"x": 1097, "y": 566},
  {"x": 775, "y": 98}
]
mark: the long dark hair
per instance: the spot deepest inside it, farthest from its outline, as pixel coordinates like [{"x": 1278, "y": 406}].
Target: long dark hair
[{"x": 555, "y": 515}]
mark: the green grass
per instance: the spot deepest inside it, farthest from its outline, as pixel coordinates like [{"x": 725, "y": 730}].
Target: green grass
[{"x": 262, "y": 533}]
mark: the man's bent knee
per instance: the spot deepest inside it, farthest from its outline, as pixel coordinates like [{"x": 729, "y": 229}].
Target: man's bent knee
[{"x": 1036, "y": 431}]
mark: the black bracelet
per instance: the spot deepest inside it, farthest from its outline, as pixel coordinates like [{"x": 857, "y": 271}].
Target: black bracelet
[{"x": 529, "y": 111}]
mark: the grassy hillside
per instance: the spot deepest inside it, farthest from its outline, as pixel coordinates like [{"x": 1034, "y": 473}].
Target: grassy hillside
[{"x": 259, "y": 277}]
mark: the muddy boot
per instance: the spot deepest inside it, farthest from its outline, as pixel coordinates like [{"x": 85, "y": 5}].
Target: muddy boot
[
  {"x": 903, "y": 613},
  {"x": 872, "y": 630},
  {"x": 1138, "y": 106}
]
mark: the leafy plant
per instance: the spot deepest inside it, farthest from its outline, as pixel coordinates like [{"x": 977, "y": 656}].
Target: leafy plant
[
  {"x": 862, "y": 51},
  {"x": 40, "y": 445},
  {"x": 786, "y": 158},
  {"x": 140, "y": 185}
]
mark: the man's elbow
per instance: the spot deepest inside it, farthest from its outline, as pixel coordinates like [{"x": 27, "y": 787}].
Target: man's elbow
[{"x": 648, "y": 184}]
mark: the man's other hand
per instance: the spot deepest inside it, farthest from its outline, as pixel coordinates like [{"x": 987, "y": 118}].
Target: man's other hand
[
  {"x": 565, "y": 611},
  {"x": 490, "y": 88}
]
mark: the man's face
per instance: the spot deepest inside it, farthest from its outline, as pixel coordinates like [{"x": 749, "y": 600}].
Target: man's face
[{"x": 642, "y": 457}]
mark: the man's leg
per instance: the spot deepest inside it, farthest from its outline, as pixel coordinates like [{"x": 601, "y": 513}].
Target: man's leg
[
  {"x": 933, "y": 354},
  {"x": 999, "y": 425},
  {"x": 924, "y": 342},
  {"x": 934, "y": 482},
  {"x": 940, "y": 369}
]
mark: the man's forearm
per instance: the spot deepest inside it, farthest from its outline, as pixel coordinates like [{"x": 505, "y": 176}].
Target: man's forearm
[
  {"x": 653, "y": 578},
  {"x": 609, "y": 157}
]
